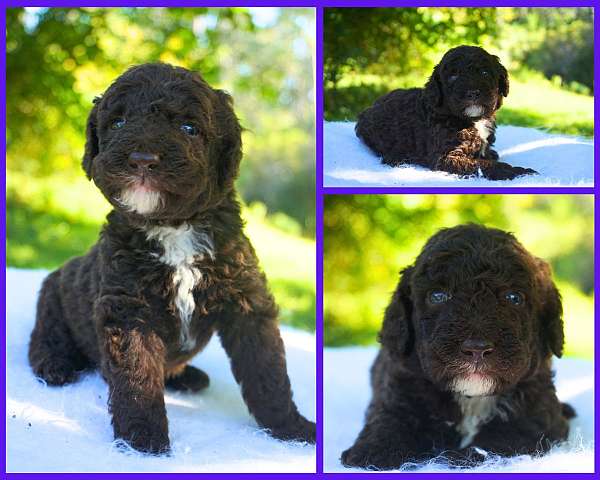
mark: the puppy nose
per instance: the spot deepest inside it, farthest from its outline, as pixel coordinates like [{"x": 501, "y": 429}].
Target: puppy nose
[
  {"x": 143, "y": 160},
  {"x": 472, "y": 94},
  {"x": 476, "y": 349}
]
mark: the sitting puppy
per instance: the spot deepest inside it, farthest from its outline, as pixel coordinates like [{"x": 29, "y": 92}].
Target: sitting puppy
[
  {"x": 171, "y": 267},
  {"x": 449, "y": 125},
  {"x": 465, "y": 363}
]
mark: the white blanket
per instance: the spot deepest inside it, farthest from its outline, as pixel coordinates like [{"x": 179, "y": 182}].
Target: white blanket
[
  {"x": 67, "y": 429},
  {"x": 561, "y": 160},
  {"x": 347, "y": 393}
]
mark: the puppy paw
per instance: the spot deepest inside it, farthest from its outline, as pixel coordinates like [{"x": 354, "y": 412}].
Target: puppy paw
[
  {"x": 464, "y": 458},
  {"x": 504, "y": 171},
  {"x": 372, "y": 457},
  {"x": 491, "y": 155},
  {"x": 192, "y": 379},
  {"x": 147, "y": 440},
  {"x": 301, "y": 430},
  {"x": 56, "y": 371}
]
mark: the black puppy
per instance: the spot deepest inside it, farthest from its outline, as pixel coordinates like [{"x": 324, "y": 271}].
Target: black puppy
[
  {"x": 172, "y": 265},
  {"x": 450, "y": 124},
  {"x": 465, "y": 363}
]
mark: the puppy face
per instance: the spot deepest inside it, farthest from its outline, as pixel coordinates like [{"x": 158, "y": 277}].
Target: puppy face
[
  {"x": 468, "y": 82},
  {"x": 477, "y": 311},
  {"x": 162, "y": 144}
]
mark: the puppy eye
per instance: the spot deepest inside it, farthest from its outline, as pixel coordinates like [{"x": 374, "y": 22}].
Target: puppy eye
[
  {"x": 453, "y": 77},
  {"x": 118, "y": 123},
  {"x": 189, "y": 129},
  {"x": 485, "y": 72},
  {"x": 439, "y": 296},
  {"x": 514, "y": 298}
]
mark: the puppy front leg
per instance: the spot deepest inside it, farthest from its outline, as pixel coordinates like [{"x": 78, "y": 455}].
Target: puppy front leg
[
  {"x": 530, "y": 435},
  {"x": 458, "y": 162},
  {"x": 257, "y": 356},
  {"x": 387, "y": 441},
  {"x": 133, "y": 365}
]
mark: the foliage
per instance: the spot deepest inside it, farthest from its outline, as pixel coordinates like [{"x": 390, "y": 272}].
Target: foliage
[
  {"x": 395, "y": 40},
  {"x": 368, "y": 239},
  {"x": 548, "y": 52},
  {"x": 559, "y": 42},
  {"x": 58, "y": 59}
]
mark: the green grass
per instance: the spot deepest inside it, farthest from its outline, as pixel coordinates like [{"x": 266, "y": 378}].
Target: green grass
[
  {"x": 533, "y": 102},
  {"x": 537, "y": 102},
  {"x": 51, "y": 220}
]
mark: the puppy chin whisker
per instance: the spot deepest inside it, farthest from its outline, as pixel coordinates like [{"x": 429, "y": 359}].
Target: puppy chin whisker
[{"x": 140, "y": 201}]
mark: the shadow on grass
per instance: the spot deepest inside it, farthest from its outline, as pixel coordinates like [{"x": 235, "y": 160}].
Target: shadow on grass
[
  {"x": 41, "y": 239},
  {"x": 345, "y": 103}
]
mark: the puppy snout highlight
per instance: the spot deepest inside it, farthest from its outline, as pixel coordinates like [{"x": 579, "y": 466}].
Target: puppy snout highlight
[
  {"x": 143, "y": 161},
  {"x": 476, "y": 349}
]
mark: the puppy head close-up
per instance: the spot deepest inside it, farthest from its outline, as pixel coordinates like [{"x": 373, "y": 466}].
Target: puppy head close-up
[
  {"x": 467, "y": 83},
  {"x": 476, "y": 310},
  {"x": 162, "y": 144}
]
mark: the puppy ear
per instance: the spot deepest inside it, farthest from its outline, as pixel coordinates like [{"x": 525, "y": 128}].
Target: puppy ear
[
  {"x": 91, "y": 140},
  {"x": 228, "y": 146},
  {"x": 550, "y": 316},
  {"x": 397, "y": 332},
  {"x": 433, "y": 89},
  {"x": 503, "y": 84}
]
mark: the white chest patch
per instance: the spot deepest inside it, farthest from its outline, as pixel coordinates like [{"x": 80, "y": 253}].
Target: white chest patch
[
  {"x": 484, "y": 129},
  {"x": 476, "y": 411},
  {"x": 183, "y": 246}
]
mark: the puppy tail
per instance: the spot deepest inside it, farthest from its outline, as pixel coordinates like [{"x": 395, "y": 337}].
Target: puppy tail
[{"x": 568, "y": 411}]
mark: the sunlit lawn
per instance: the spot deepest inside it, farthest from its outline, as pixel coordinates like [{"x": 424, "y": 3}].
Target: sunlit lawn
[
  {"x": 51, "y": 220},
  {"x": 533, "y": 102}
]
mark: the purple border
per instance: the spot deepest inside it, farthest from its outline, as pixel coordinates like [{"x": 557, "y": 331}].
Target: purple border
[
  {"x": 3, "y": 182},
  {"x": 320, "y": 191},
  {"x": 460, "y": 190},
  {"x": 319, "y": 235},
  {"x": 301, "y": 3}
]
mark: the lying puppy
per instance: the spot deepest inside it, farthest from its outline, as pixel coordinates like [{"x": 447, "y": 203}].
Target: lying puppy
[
  {"x": 465, "y": 363},
  {"x": 450, "y": 124},
  {"x": 171, "y": 267}
]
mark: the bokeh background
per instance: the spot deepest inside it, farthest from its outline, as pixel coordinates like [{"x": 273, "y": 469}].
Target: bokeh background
[
  {"x": 59, "y": 59},
  {"x": 547, "y": 51},
  {"x": 368, "y": 239}
]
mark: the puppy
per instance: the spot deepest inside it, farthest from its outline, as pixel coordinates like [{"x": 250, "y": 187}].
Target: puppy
[
  {"x": 172, "y": 265},
  {"x": 450, "y": 124},
  {"x": 465, "y": 364}
]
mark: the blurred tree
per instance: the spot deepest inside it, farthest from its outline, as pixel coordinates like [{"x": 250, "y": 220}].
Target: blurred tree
[
  {"x": 394, "y": 41},
  {"x": 59, "y": 59},
  {"x": 564, "y": 46}
]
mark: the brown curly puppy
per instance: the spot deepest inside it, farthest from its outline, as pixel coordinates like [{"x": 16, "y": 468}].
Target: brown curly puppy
[
  {"x": 465, "y": 364},
  {"x": 171, "y": 267},
  {"x": 450, "y": 124}
]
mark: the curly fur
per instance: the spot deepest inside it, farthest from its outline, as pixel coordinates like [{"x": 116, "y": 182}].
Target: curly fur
[
  {"x": 432, "y": 397},
  {"x": 172, "y": 265},
  {"x": 450, "y": 124}
]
